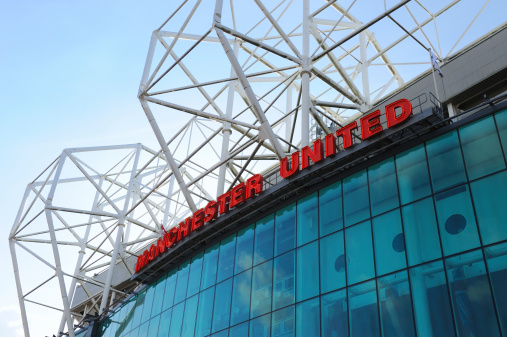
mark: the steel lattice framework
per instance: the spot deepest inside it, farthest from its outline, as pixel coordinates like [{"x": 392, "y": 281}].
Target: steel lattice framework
[{"x": 259, "y": 80}]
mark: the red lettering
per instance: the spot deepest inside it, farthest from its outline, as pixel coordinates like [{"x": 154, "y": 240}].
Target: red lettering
[
  {"x": 198, "y": 219},
  {"x": 160, "y": 246},
  {"x": 140, "y": 261},
  {"x": 151, "y": 254},
  {"x": 346, "y": 134},
  {"x": 184, "y": 228},
  {"x": 222, "y": 200},
  {"x": 211, "y": 211},
  {"x": 171, "y": 237},
  {"x": 330, "y": 141},
  {"x": 370, "y": 125},
  {"x": 253, "y": 183},
  {"x": 284, "y": 163},
  {"x": 406, "y": 111},
  {"x": 237, "y": 195},
  {"x": 316, "y": 155}
]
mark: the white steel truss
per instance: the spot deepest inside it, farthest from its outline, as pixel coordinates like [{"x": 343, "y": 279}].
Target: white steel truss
[{"x": 229, "y": 88}]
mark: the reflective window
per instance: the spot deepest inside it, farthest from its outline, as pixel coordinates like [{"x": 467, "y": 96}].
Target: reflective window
[
  {"x": 226, "y": 258},
  {"x": 143, "y": 330},
  {"x": 333, "y": 314},
  {"x": 194, "y": 280},
  {"x": 189, "y": 317},
  {"x": 501, "y": 124},
  {"x": 355, "y": 198},
  {"x": 159, "y": 297},
  {"x": 261, "y": 289},
  {"x": 240, "y": 330},
  {"x": 223, "y": 333},
  {"x": 445, "y": 161},
  {"x": 170, "y": 285},
  {"x": 244, "y": 249},
  {"x": 307, "y": 219},
  {"x": 204, "y": 312},
  {"x": 182, "y": 282},
  {"x": 490, "y": 198},
  {"x": 148, "y": 303},
  {"x": 307, "y": 284},
  {"x": 136, "y": 320},
  {"x": 153, "y": 329},
  {"x": 222, "y": 307},
  {"x": 389, "y": 243},
  {"x": 308, "y": 318},
  {"x": 284, "y": 280},
  {"x": 359, "y": 253},
  {"x": 285, "y": 229},
  {"x": 456, "y": 220},
  {"x": 283, "y": 323},
  {"x": 332, "y": 262},
  {"x": 240, "y": 311},
  {"x": 496, "y": 257},
  {"x": 209, "y": 267},
  {"x": 383, "y": 187},
  {"x": 261, "y": 326},
  {"x": 413, "y": 175},
  {"x": 363, "y": 310},
  {"x": 481, "y": 148},
  {"x": 421, "y": 232},
  {"x": 330, "y": 209},
  {"x": 177, "y": 320},
  {"x": 165, "y": 323},
  {"x": 263, "y": 244}
]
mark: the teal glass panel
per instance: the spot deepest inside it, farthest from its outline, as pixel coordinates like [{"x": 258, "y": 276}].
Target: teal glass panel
[
  {"x": 413, "y": 177},
  {"x": 474, "y": 313},
  {"x": 308, "y": 318},
  {"x": 501, "y": 124},
  {"x": 389, "y": 243},
  {"x": 307, "y": 219},
  {"x": 182, "y": 282},
  {"x": 445, "y": 161},
  {"x": 363, "y": 310},
  {"x": 383, "y": 187},
  {"x": 244, "y": 249},
  {"x": 165, "y": 323},
  {"x": 194, "y": 279},
  {"x": 226, "y": 258},
  {"x": 432, "y": 309},
  {"x": 359, "y": 253},
  {"x": 481, "y": 148},
  {"x": 223, "y": 333},
  {"x": 222, "y": 307},
  {"x": 282, "y": 322},
  {"x": 421, "y": 232},
  {"x": 148, "y": 303},
  {"x": 204, "y": 312},
  {"x": 170, "y": 286},
  {"x": 285, "y": 229},
  {"x": 332, "y": 262},
  {"x": 330, "y": 209},
  {"x": 240, "y": 330},
  {"x": 261, "y": 326},
  {"x": 356, "y": 205},
  {"x": 159, "y": 297},
  {"x": 307, "y": 271},
  {"x": 134, "y": 332},
  {"x": 240, "y": 311},
  {"x": 143, "y": 330},
  {"x": 153, "y": 329},
  {"x": 333, "y": 314},
  {"x": 188, "y": 327},
  {"x": 131, "y": 308},
  {"x": 136, "y": 320},
  {"x": 209, "y": 267},
  {"x": 284, "y": 280},
  {"x": 456, "y": 220},
  {"x": 177, "y": 320},
  {"x": 264, "y": 236},
  {"x": 396, "y": 317},
  {"x": 490, "y": 198},
  {"x": 261, "y": 289},
  {"x": 496, "y": 257}
]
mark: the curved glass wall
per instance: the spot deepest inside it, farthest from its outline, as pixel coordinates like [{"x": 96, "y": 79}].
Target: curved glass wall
[{"x": 415, "y": 245}]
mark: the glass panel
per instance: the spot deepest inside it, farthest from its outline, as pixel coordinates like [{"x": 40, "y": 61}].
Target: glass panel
[
  {"x": 359, "y": 253},
  {"x": 143, "y": 330},
  {"x": 226, "y": 258},
  {"x": 284, "y": 280},
  {"x": 159, "y": 297},
  {"x": 395, "y": 306},
  {"x": 204, "y": 312},
  {"x": 496, "y": 257},
  {"x": 261, "y": 289},
  {"x": 307, "y": 284},
  {"x": 490, "y": 200},
  {"x": 209, "y": 267},
  {"x": 181, "y": 282},
  {"x": 240, "y": 311},
  {"x": 285, "y": 228},
  {"x": 189, "y": 317},
  {"x": 177, "y": 320},
  {"x": 333, "y": 309},
  {"x": 261, "y": 326},
  {"x": 481, "y": 148},
  {"x": 139, "y": 309},
  {"x": 383, "y": 187},
  {"x": 330, "y": 209},
  {"x": 244, "y": 249},
  {"x": 165, "y": 323},
  {"x": 474, "y": 313},
  {"x": 413, "y": 175},
  {"x": 389, "y": 243},
  {"x": 263, "y": 245},
  {"x": 148, "y": 303},
  {"x": 223, "y": 333},
  {"x": 445, "y": 161},
  {"x": 332, "y": 262},
  {"x": 363, "y": 311},
  {"x": 194, "y": 280},
  {"x": 170, "y": 285},
  {"x": 222, "y": 308},
  {"x": 129, "y": 312},
  {"x": 421, "y": 232},
  {"x": 501, "y": 124},
  {"x": 153, "y": 330},
  {"x": 239, "y": 330},
  {"x": 355, "y": 198},
  {"x": 430, "y": 296},
  {"x": 134, "y": 332},
  {"x": 456, "y": 220},
  {"x": 283, "y": 322},
  {"x": 308, "y": 318},
  {"x": 307, "y": 219}
]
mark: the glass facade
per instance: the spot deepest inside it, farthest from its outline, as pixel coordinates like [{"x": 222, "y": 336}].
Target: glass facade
[{"x": 415, "y": 245}]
